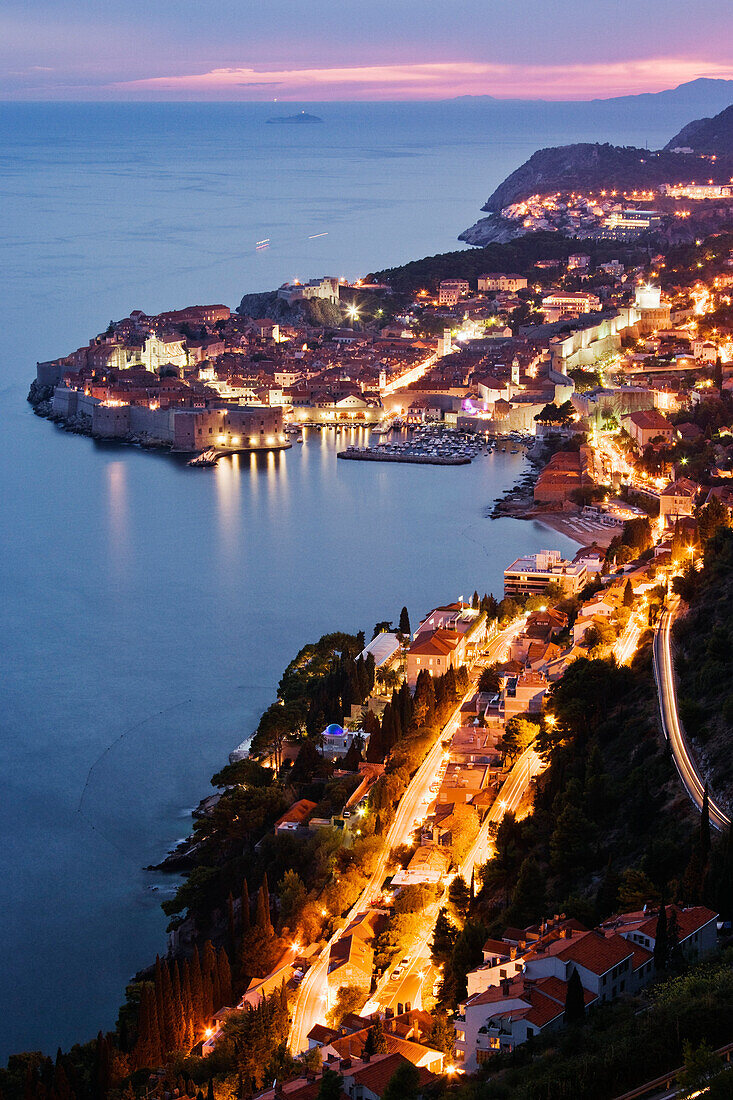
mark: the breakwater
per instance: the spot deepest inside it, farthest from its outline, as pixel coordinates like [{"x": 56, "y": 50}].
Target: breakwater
[{"x": 373, "y": 454}]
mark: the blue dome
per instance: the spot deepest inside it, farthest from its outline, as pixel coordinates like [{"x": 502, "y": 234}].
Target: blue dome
[{"x": 334, "y": 730}]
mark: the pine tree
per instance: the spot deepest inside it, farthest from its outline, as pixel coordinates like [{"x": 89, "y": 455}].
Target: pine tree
[
  {"x": 574, "y": 999},
  {"x": 102, "y": 1066}
]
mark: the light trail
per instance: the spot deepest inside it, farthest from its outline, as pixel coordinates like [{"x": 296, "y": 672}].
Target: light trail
[{"x": 673, "y": 731}]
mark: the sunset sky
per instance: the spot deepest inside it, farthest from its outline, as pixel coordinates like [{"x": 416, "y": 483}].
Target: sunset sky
[{"x": 351, "y": 49}]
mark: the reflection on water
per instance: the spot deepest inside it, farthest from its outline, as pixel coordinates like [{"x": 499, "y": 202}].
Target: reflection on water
[{"x": 118, "y": 519}]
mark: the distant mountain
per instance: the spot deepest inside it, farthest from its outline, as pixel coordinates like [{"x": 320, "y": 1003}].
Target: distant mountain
[
  {"x": 704, "y": 94},
  {"x": 707, "y": 135}
]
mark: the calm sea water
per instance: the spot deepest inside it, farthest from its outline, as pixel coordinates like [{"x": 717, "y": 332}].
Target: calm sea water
[{"x": 149, "y": 609}]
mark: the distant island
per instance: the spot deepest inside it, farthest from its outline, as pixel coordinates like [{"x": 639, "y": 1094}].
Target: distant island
[{"x": 302, "y": 117}]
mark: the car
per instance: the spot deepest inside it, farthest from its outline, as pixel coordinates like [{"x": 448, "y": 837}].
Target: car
[
  {"x": 406, "y": 961},
  {"x": 396, "y": 973},
  {"x": 346, "y": 813}
]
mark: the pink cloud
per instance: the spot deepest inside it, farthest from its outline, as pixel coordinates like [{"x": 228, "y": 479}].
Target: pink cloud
[{"x": 432, "y": 80}]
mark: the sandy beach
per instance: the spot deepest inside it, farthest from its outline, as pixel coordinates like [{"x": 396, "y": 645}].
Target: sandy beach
[{"x": 583, "y": 531}]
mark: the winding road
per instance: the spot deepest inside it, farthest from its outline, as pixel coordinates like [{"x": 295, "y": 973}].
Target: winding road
[{"x": 685, "y": 762}]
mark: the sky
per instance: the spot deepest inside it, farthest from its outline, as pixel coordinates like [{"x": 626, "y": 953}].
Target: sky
[{"x": 319, "y": 50}]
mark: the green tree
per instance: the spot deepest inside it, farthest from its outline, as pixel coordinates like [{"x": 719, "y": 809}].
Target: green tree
[
  {"x": 459, "y": 898},
  {"x": 444, "y": 938},
  {"x": 528, "y": 898},
  {"x": 702, "y": 1064},
  {"x": 376, "y": 1042},
  {"x": 574, "y": 999},
  {"x": 404, "y": 1084},
  {"x": 330, "y": 1086},
  {"x": 404, "y": 625}
]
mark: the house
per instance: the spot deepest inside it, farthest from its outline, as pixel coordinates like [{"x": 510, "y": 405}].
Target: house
[
  {"x": 646, "y": 425},
  {"x": 435, "y": 652},
  {"x": 428, "y": 865},
  {"x": 505, "y": 1016},
  {"x": 382, "y": 648},
  {"x": 351, "y": 958},
  {"x": 364, "y": 1078},
  {"x": 295, "y": 817},
  {"x": 677, "y": 499},
  {"x": 696, "y": 928},
  {"x": 508, "y": 993},
  {"x": 337, "y": 741},
  {"x": 523, "y": 694}
]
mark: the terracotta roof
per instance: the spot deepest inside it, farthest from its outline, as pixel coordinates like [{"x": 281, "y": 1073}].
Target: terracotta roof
[
  {"x": 595, "y": 952},
  {"x": 376, "y": 1074},
  {"x": 298, "y": 812},
  {"x": 441, "y": 643},
  {"x": 319, "y": 1033}
]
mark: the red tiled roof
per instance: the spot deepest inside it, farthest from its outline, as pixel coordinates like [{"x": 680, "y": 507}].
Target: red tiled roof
[
  {"x": 688, "y": 920},
  {"x": 298, "y": 812},
  {"x": 376, "y": 1075},
  {"x": 595, "y": 952},
  {"x": 441, "y": 643}
]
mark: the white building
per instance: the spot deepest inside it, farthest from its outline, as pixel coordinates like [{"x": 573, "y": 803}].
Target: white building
[{"x": 531, "y": 575}]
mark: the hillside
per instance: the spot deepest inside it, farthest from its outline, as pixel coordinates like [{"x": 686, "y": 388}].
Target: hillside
[{"x": 707, "y": 135}]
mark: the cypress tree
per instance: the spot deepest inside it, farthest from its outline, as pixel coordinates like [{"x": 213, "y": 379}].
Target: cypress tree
[
  {"x": 263, "y": 912},
  {"x": 210, "y": 1090},
  {"x": 197, "y": 992},
  {"x": 102, "y": 1066},
  {"x": 661, "y": 941},
  {"x": 187, "y": 1005},
  {"x": 574, "y": 999},
  {"x": 159, "y": 994},
  {"x": 208, "y": 966},
  {"x": 225, "y": 978},
  {"x": 231, "y": 934},
  {"x": 244, "y": 911},
  {"x": 178, "y": 1007},
  {"x": 168, "y": 1028},
  {"x": 404, "y": 626}
]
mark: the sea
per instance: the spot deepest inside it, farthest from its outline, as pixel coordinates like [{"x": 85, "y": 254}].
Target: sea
[{"x": 149, "y": 609}]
